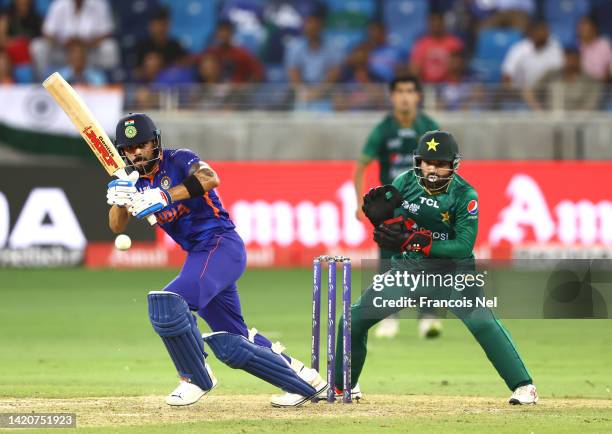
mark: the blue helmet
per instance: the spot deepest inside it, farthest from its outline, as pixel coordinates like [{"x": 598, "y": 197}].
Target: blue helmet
[{"x": 135, "y": 129}]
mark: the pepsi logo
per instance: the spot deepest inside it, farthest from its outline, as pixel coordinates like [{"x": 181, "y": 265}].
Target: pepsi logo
[{"x": 472, "y": 207}]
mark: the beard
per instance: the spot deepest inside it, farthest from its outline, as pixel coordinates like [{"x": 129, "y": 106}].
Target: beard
[{"x": 435, "y": 182}]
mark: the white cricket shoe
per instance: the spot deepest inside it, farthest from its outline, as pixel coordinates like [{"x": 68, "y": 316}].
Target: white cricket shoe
[
  {"x": 429, "y": 327},
  {"x": 524, "y": 395},
  {"x": 356, "y": 394},
  {"x": 313, "y": 378},
  {"x": 387, "y": 328},
  {"x": 187, "y": 393}
]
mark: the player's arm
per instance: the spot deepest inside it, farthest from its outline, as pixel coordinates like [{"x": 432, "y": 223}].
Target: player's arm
[
  {"x": 118, "y": 218},
  {"x": 466, "y": 229},
  {"x": 201, "y": 179},
  {"x": 368, "y": 154},
  {"x": 358, "y": 179}
]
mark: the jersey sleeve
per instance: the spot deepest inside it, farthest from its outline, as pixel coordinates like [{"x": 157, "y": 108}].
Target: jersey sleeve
[
  {"x": 466, "y": 229},
  {"x": 184, "y": 158},
  {"x": 372, "y": 146}
]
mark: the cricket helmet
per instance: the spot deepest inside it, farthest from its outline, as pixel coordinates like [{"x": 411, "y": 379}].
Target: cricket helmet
[
  {"x": 436, "y": 146},
  {"x": 134, "y": 129}
]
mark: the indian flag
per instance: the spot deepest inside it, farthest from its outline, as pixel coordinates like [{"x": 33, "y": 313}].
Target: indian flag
[
  {"x": 129, "y": 122},
  {"x": 35, "y": 123}
]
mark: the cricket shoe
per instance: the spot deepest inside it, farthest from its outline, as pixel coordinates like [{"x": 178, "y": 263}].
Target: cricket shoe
[
  {"x": 524, "y": 395},
  {"x": 429, "y": 327},
  {"x": 387, "y": 328},
  {"x": 187, "y": 393},
  {"x": 312, "y": 377},
  {"x": 356, "y": 394}
]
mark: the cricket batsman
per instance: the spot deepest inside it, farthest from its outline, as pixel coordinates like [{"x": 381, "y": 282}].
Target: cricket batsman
[
  {"x": 429, "y": 218},
  {"x": 179, "y": 189},
  {"x": 392, "y": 142}
]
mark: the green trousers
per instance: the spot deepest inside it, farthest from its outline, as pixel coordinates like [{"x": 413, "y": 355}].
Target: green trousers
[{"x": 480, "y": 321}]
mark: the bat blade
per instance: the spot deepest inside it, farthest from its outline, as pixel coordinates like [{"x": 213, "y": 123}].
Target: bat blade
[{"x": 85, "y": 123}]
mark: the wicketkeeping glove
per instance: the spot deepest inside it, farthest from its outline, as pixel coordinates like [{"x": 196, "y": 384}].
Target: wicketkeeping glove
[
  {"x": 380, "y": 202},
  {"x": 392, "y": 234},
  {"x": 419, "y": 241},
  {"x": 121, "y": 191},
  {"x": 149, "y": 202}
]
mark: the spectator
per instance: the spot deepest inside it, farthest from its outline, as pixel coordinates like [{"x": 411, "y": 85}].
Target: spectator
[
  {"x": 360, "y": 90},
  {"x": 87, "y": 20},
  {"x": 213, "y": 93},
  {"x": 143, "y": 95},
  {"x": 504, "y": 13},
  {"x": 309, "y": 59},
  {"x": 461, "y": 91},
  {"x": 571, "y": 87},
  {"x": 6, "y": 69},
  {"x": 237, "y": 64},
  {"x": 77, "y": 71},
  {"x": 284, "y": 20},
  {"x": 383, "y": 58},
  {"x": 19, "y": 24},
  {"x": 431, "y": 53},
  {"x": 160, "y": 41},
  {"x": 531, "y": 58},
  {"x": 595, "y": 50}
]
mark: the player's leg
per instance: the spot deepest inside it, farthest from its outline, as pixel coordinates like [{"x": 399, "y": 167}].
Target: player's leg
[
  {"x": 390, "y": 326},
  {"x": 186, "y": 285},
  {"x": 234, "y": 344},
  {"x": 175, "y": 324},
  {"x": 499, "y": 347}
]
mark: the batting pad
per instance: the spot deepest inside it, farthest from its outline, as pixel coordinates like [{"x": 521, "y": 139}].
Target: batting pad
[
  {"x": 239, "y": 353},
  {"x": 177, "y": 327}
]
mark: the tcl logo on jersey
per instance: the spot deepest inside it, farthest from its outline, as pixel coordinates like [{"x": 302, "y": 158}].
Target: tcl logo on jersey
[
  {"x": 472, "y": 207},
  {"x": 429, "y": 202}
]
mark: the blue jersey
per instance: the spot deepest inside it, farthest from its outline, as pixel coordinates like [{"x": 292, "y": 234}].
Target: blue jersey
[{"x": 190, "y": 222}]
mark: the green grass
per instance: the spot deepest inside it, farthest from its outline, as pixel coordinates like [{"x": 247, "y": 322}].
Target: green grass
[{"x": 78, "y": 333}]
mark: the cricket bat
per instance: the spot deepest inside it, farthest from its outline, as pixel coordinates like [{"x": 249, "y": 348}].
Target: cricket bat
[{"x": 89, "y": 128}]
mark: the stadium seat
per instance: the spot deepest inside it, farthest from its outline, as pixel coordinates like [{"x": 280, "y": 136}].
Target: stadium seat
[
  {"x": 563, "y": 16},
  {"x": 351, "y": 14},
  {"x": 23, "y": 74},
  {"x": 602, "y": 10},
  {"x": 247, "y": 17},
  {"x": 131, "y": 19},
  {"x": 491, "y": 48},
  {"x": 193, "y": 22},
  {"x": 343, "y": 39},
  {"x": 406, "y": 20},
  {"x": 42, "y": 6}
]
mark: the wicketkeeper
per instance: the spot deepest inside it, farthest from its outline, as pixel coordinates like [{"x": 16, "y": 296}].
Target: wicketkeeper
[{"x": 429, "y": 217}]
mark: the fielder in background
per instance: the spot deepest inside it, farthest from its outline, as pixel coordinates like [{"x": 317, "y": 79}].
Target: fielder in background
[
  {"x": 392, "y": 142},
  {"x": 178, "y": 188},
  {"x": 429, "y": 218}
]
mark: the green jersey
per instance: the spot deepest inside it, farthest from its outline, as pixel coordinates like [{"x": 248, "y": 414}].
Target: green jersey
[
  {"x": 393, "y": 145},
  {"x": 451, "y": 216}
]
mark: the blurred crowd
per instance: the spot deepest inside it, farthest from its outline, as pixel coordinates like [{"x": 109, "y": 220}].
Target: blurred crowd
[{"x": 317, "y": 54}]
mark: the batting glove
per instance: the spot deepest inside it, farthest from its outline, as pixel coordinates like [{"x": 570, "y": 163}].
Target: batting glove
[
  {"x": 149, "y": 202},
  {"x": 120, "y": 192}
]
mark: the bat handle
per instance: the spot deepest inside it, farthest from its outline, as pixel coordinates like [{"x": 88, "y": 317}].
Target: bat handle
[{"x": 152, "y": 219}]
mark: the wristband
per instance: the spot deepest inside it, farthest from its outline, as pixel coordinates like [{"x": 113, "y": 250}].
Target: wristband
[{"x": 193, "y": 186}]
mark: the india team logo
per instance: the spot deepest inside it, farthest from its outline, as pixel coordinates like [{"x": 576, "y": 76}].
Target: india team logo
[
  {"x": 472, "y": 207},
  {"x": 165, "y": 183},
  {"x": 130, "y": 131}
]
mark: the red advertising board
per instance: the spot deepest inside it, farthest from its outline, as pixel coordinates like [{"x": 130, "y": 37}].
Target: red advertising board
[{"x": 289, "y": 212}]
